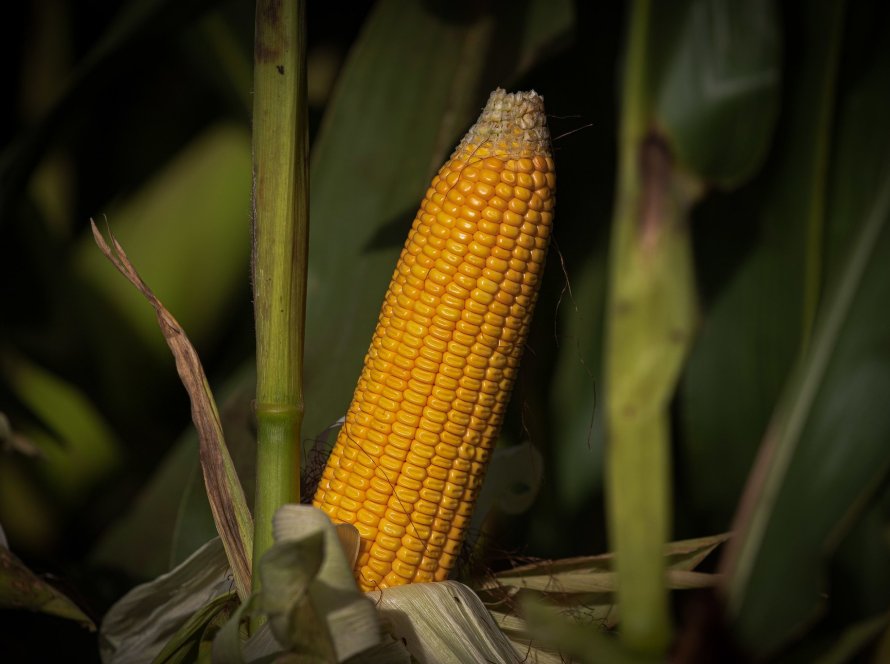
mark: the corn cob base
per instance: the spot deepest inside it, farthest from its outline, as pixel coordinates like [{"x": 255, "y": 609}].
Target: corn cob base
[{"x": 409, "y": 461}]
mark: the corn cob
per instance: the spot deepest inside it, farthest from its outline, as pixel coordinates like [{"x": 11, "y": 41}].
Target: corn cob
[{"x": 410, "y": 458}]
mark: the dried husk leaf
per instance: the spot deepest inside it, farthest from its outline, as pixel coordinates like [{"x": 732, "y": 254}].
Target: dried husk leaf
[{"x": 227, "y": 502}]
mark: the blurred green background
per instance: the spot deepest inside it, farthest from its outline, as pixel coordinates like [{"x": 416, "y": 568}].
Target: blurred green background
[{"x": 137, "y": 113}]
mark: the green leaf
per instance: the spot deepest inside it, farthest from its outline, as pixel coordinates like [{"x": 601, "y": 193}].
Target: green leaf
[
  {"x": 171, "y": 518},
  {"x": 139, "y": 22},
  {"x": 81, "y": 449},
  {"x": 851, "y": 644},
  {"x": 825, "y": 450},
  {"x": 388, "y": 126},
  {"x": 859, "y": 570},
  {"x": 578, "y": 426},
  {"x": 186, "y": 229},
  {"x": 716, "y": 74},
  {"x": 20, "y": 588},
  {"x": 139, "y": 542},
  {"x": 853, "y": 641},
  {"x": 194, "y": 519},
  {"x": 756, "y": 270}
]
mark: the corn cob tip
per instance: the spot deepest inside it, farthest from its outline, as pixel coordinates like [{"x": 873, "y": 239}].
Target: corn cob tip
[{"x": 512, "y": 123}]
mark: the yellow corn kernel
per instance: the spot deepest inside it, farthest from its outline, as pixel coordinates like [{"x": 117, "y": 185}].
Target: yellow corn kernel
[{"x": 409, "y": 461}]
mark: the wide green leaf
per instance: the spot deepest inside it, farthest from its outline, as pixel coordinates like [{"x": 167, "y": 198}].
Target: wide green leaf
[
  {"x": 759, "y": 262},
  {"x": 187, "y": 233},
  {"x": 138, "y": 23},
  {"x": 578, "y": 426},
  {"x": 77, "y": 446},
  {"x": 716, "y": 74},
  {"x": 825, "y": 450},
  {"x": 391, "y": 122}
]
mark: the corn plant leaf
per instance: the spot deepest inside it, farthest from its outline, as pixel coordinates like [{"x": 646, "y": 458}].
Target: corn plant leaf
[
  {"x": 139, "y": 23},
  {"x": 21, "y": 589},
  {"x": 390, "y": 123},
  {"x": 843, "y": 646},
  {"x": 61, "y": 457},
  {"x": 230, "y": 513},
  {"x": 854, "y": 641},
  {"x": 859, "y": 572},
  {"x": 716, "y": 73},
  {"x": 530, "y": 649},
  {"x": 578, "y": 425},
  {"x": 350, "y": 540},
  {"x": 77, "y": 446},
  {"x": 760, "y": 278},
  {"x": 826, "y": 444},
  {"x": 14, "y": 441},
  {"x": 194, "y": 519},
  {"x": 139, "y": 626},
  {"x": 882, "y": 650},
  {"x": 186, "y": 227}
]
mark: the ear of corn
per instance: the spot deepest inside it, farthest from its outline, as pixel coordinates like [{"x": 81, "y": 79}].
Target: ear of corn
[{"x": 409, "y": 461}]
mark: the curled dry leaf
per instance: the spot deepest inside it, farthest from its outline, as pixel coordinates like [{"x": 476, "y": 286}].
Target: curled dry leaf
[
  {"x": 347, "y": 621},
  {"x": 227, "y": 502},
  {"x": 583, "y": 588}
]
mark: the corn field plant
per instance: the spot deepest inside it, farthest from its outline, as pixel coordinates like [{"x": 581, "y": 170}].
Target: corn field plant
[{"x": 692, "y": 465}]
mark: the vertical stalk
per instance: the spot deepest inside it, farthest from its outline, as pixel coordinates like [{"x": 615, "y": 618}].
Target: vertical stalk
[
  {"x": 635, "y": 483},
  {"x": 648, "y": 327},
  {"x": 280, "y": 234}
]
